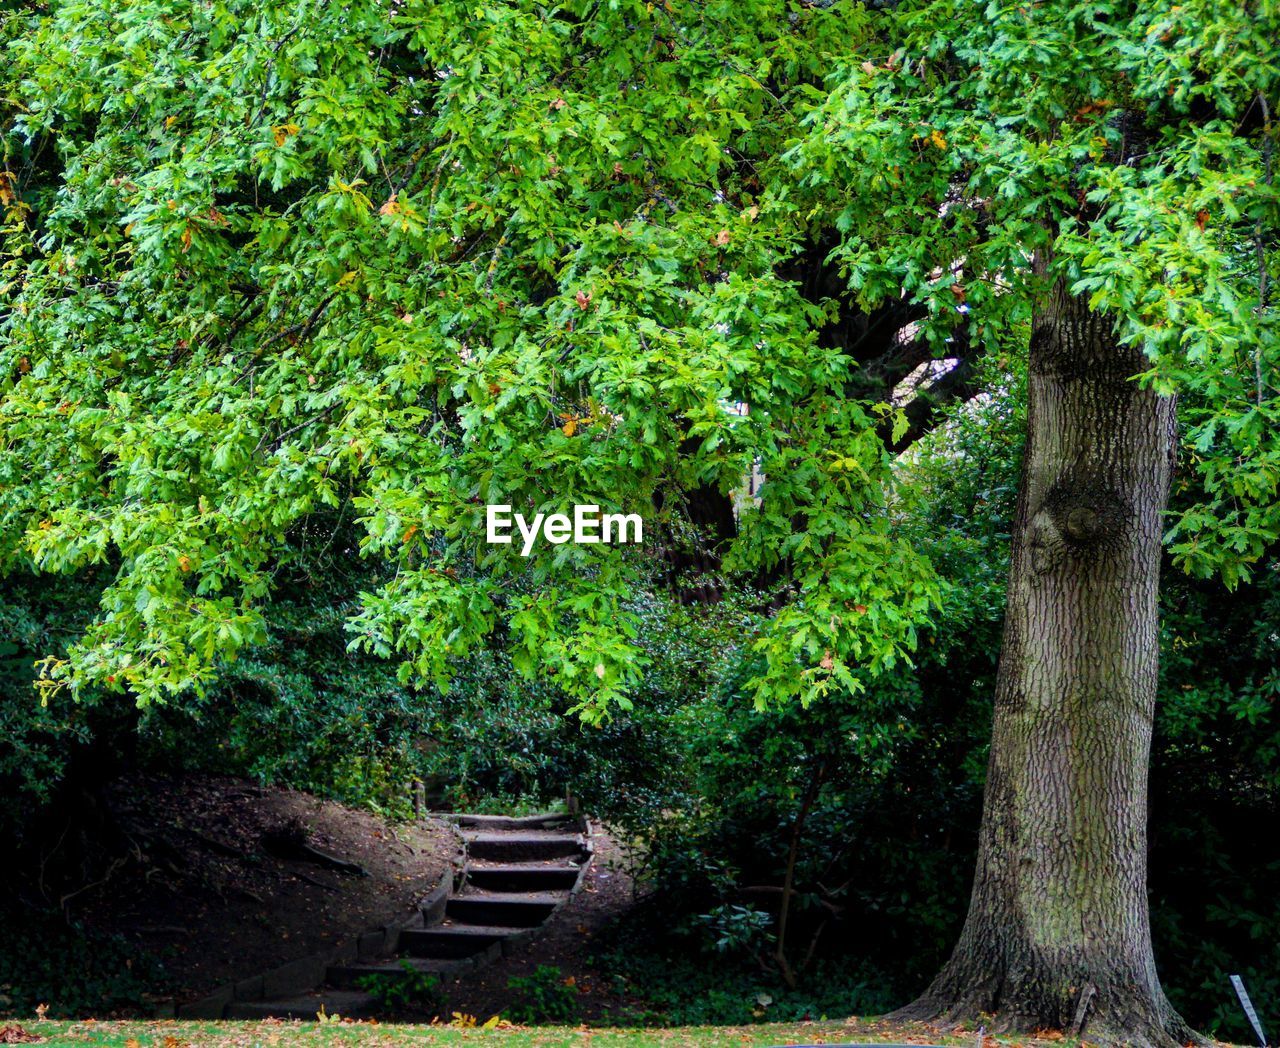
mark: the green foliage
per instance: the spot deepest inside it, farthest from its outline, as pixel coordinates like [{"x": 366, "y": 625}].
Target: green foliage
[
  {"x": 297, "y": 710},
  {"x": 893, "y": 825},
  {"x": 496, "y": 741},
  {"x": 1125, "y": 146},
  {"x": 1215, "y": 785},
  {"x": 35, "y": 739},
  {"x": 411, "y": 990},
  {"x": 730, "y": 928},
  {"x": 671, "y": 988},
  {"x": 73, "y": 971},
  {"x": 288, "y": 294},
  {"x": 544, "y": 996},
  {"x": 266, "y": 263}
]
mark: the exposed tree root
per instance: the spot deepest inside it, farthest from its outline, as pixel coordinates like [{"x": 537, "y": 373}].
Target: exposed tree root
[{"x": 1123, "y": 1020}]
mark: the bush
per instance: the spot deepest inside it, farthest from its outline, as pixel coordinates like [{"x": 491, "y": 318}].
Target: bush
[
  {"x": 408, "y": 990},
  {"x": 545, "y": 996},
  {"x": 74, "y": 972}
]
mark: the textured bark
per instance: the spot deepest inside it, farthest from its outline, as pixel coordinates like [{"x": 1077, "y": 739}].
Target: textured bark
[
  {"x": 1057, "y": 935},
  {"x": 693, "y": 560}
]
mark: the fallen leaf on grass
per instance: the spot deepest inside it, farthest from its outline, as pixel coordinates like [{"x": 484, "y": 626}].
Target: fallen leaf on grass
[{"x": 15, "y": 1034}]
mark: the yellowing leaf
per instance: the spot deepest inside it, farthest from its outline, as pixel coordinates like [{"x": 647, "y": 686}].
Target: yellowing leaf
[
  {"x": 570, "y": 427},
  {"x": 282, "y": 132},
  {"x": 938, "y": 139}
]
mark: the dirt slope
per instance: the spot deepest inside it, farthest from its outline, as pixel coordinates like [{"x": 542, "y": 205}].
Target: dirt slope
[{"x": 218, "y": 890}]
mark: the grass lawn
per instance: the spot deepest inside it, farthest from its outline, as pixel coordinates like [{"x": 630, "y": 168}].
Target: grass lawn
[{"x": 173, "y": 1034}]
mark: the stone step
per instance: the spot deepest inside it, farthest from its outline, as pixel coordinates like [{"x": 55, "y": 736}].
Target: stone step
[
  {"x": 502, "y": 910},
  {"x": 526, "y": 844},
  {"x": 548, "y": 821},
  {"x": 348, "y": 976},
  {"x": 521, "y": 877},
  {"x": 452, "y": 941},
  {"x": 350, "y": 1004}
]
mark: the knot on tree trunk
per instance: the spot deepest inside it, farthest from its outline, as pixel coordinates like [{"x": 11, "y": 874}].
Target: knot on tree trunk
[
  {"x": 1078, "y": 516},
  {"x": 1088, "y": 512}
]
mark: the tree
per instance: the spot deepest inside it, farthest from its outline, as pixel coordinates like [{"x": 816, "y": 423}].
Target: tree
[
  {"x": 1050, "y": 131},
  {"x": 550, "y": 296},
  {"x": 398, "y": 262},
  {"x": 1058, "y": 930}
]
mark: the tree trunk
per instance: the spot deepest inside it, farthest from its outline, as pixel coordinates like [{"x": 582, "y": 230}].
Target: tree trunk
[{"x": 1057, "y": 935}]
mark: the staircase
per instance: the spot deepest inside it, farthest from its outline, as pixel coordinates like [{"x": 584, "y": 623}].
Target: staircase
[{"x": 516, "y": 874}]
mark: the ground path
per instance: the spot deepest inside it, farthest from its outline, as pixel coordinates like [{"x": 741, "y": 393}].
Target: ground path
[
  {"x": 565, "y": 942},
  {"x": 528, "y": 894}
]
